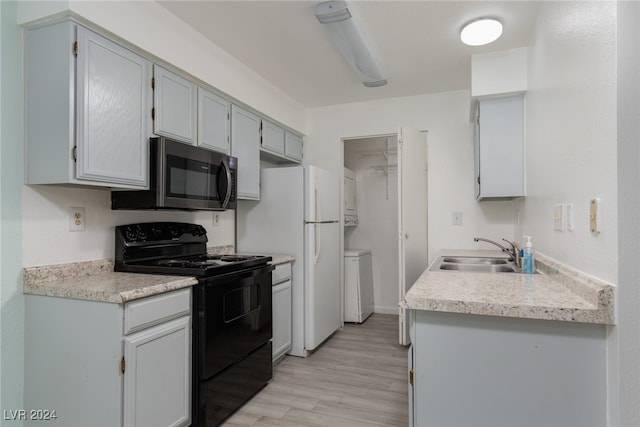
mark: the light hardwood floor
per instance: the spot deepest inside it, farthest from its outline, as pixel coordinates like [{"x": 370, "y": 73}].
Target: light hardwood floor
[{"x": 357, "y": 378}]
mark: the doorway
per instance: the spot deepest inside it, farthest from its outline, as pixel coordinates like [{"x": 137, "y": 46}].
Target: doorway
[
  {"x": 373, "y": 160},
  {"x": 391, "y": 193}
]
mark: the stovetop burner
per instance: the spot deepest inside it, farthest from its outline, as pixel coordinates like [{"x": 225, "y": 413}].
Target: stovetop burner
[
  {"x": 202, "y": 261},
  {"x": 174, "y": 248}
]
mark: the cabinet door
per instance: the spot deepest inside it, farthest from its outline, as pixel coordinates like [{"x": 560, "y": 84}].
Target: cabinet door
[
  {"x": 174, "y": 102},
  {"x": 112, "y": 110},
  {"x": 157, "y": 378},
  {"x": 272, "y": 138},
  {"x": 293, "y": 146},
  {"x": 213, "y": 121},
  {"x": 245, "y": 145},
  {"x": 281, "y": 301},
  {"x": 500, "y": 147}
]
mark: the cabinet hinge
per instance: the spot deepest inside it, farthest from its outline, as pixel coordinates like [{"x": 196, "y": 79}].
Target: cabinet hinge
[
  {"x": 411, "y": 377},
  {"x": 153, "y": 83},
  {"x": 153, "y": 114},
  {"x": 123, "y": 365},
  {"x": 478, "y": 120},
  {"x": 74, "y": 153},
  {"x": 75, "y": 48},
  {"x": 478, "y": 179}
]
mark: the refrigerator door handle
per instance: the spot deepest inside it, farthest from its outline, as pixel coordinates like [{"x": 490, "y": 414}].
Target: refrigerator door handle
[
  {"x": 318, "y": 245},
  {"x": 318, "y": 202}
]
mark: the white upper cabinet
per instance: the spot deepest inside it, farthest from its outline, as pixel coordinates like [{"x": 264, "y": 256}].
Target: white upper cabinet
[
  {"x": 245, "y": 145},
  {"x": 213, "y": 121},
  {"x": 175, "y": 104},
  {"x": 499, "y": 148},
  {"x": 272, "y": 138},
  {"x": 87, "y": 106},
  {"x": 293, "y": 146}
]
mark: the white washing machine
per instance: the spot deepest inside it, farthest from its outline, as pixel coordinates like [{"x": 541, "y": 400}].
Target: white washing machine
[{"x": 358, "y": 285}]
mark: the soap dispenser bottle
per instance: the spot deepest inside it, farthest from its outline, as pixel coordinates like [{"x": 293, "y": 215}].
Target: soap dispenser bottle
[{"x": 528, "y": 258}]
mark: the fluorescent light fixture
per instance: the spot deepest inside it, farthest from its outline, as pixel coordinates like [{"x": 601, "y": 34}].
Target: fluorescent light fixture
[
  {"x": 350, "y": 40},
  {"x": 481, "y": 31}
]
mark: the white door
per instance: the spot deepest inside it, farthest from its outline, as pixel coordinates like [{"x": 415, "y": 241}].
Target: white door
[
  {"x": 412, "y": 215},
  {"x": 157, "y": 378}
]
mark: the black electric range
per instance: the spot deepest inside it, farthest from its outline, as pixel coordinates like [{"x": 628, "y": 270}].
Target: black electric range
[
  {"x": 231, "y": 311},
  {"x": 174, "y": 248}
]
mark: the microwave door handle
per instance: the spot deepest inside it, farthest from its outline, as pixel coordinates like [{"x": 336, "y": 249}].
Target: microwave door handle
[{"x": 229, "y": 184}]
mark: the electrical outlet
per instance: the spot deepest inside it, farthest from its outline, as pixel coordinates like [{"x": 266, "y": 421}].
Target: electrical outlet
[
  {"x": 558, "y": 221},
  {"x": 216, "y": 219},
  {"x": 77, "y": 219}
]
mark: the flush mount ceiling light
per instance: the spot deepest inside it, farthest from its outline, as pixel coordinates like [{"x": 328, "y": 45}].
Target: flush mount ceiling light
[
  {"x": 351, "y": 41},
  {"x": 481, "y": 31}
]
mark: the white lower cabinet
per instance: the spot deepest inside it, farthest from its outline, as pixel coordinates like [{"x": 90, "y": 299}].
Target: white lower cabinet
[
  {"x": 471, "y": 370},
  {"x": 281, "y": 309},
  {"x": 106, "y": 364}
]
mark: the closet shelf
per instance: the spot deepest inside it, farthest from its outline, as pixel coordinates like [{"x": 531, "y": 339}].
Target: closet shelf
[{"x": 385, "y": 167}]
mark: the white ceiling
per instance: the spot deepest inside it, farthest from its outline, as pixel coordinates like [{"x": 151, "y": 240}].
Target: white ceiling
[{"x": 417, "y": 41}]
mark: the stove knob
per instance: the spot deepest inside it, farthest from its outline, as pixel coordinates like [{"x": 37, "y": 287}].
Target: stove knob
[
  {"x": 129, "y": 234},
  {"x": 140, "y": 233}
]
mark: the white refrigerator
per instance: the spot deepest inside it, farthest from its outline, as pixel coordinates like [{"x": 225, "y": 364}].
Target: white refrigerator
[{"x": 298, "y": 214}]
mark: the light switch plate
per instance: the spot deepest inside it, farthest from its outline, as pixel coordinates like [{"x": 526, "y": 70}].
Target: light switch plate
[
  {"x": 558, "y": 222},
  {"x": 568, "y": 216},
  {"x": 456, "y": 218}
]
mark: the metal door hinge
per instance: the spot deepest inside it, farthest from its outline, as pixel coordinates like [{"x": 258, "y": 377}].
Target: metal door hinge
[
  {"x": 478, "y": 179},
  {"x": 153, "y": 114},
  {"x": 153, "y": 83},
  {"x": 74, "y": 153},
  {"x": 75, "y": 48},
  {"x": 411, "y": 377},
  {"x": 123, "y": 365}
]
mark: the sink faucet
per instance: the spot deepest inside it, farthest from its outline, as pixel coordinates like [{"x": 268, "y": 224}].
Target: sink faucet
[{"x": 514, "y": 250}]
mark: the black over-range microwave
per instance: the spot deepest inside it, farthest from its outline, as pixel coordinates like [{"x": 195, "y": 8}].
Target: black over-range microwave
[{"x": 183, "y": 177}]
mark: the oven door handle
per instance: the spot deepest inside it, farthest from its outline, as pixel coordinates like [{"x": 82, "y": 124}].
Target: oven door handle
[{"x": 227, "y": 196}]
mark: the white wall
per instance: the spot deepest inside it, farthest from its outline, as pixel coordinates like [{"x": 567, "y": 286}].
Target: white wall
[
  {"x": 46, "y": 235},
  {"x": 377, "y": 201},
  {"x": 571, "y": 133},
  {"x": 572, "y": 156},
  {"x": 450, "y": 151}
]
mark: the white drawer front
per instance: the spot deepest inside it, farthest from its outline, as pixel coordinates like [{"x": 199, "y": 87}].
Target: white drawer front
[
  {"x": 150, "y": 311},
  {"x": 282, "y": 273}
]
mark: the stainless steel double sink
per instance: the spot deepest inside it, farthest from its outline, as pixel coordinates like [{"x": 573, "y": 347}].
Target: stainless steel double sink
[{"x": 475, "y": 264}]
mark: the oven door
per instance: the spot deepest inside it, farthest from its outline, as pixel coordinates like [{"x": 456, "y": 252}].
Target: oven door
[
  {"x": 237, "y": 318},
  {"x": 194, "y": 178}
]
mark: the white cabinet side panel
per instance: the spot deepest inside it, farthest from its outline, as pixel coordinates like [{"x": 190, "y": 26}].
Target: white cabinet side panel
[{"x": 73, "y": 350}]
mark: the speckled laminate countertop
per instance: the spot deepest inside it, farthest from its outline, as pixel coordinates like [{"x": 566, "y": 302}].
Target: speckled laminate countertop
[
  {"x": 281, "y": 259},
  {"x": 96, "y": 281},
  {"x": 557, "y": 293}
]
